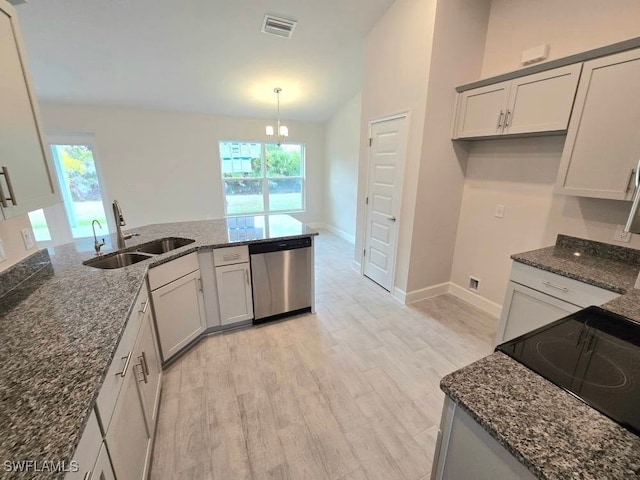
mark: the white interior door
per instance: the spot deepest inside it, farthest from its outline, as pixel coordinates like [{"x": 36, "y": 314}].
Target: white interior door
[{"x": 386, "y": 169}]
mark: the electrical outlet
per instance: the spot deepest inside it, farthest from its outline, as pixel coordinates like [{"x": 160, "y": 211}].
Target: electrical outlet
[
  {"x": 499, "y": 213},
  {"x": 621, "y": 236},
  {"x": 474, "y": 284},
  {"x": 27, "y": 238},
  {"x": 3, "y": 254}
]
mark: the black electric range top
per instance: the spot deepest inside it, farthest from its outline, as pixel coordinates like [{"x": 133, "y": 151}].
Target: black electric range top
[{"x": 592, "y": 354}]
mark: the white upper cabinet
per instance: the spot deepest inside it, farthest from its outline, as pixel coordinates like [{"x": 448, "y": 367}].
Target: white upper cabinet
[
  {"x": 532, "y": 104},
  {"x": 603, "y": 142},
  {"x": 482, "y": 110},
  {"x": 26, "y": 180}
]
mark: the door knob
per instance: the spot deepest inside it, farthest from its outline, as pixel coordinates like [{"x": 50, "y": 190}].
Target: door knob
[{"x": 391, "y": 219}]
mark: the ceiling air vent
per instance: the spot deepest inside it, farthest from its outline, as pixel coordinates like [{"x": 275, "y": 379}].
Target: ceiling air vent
[{"x": 282, "y": 27}]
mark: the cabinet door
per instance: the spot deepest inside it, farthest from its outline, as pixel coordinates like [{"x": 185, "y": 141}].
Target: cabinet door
[
  {"x": 481, "y": 112},
  {"x": 102, "y": 469},
  {"x": 542, "y": 102},
  {"x": 21, "y": 149},
  {"x": 179, "y": 313},
  {"x": 603, "y": 145},
  {"x": 148, "y": 372},
  {"x": 127, "y": 439},
  {"x": 526, "y": 309},
  {"x": 234, "y": 293}
]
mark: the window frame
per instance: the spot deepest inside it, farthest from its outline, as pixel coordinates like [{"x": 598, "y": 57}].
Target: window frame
[{"x": 265, "y": 180}]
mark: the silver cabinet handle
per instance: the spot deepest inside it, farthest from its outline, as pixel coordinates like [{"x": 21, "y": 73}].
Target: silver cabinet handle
[
  {"x": 126, "y": 365},
  {"x": 144, "y": 374},
  {"x": 200, "y": 284},
  {"x": 87, "y": 475},
  {"x": 12, "y": 195},
  {"x": 144, "y": 361},
  {"x": 144, "y": 306},
  {"x": 246, "y": 276},
  {"x": 507, "y": 118},
  {"x": 233, "y": 256},
  {"x": 391, "y": 219},
  {"x": 557, "y": 287},
  {"x": 500, "y": 117}
]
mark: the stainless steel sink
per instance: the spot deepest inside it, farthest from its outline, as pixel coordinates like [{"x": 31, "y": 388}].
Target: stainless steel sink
[
  {"x": 164, "y": 245},
  {"x": 118, "y": 260}
]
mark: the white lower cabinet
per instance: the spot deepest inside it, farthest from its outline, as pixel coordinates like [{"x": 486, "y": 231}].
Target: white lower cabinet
[
  {"x": 127, "y": 439},
  {"x": 128, "y": 407},
  {"x": 102, "y": 469},
  {"x": 537, "y": 297},
  {"x": 234, "y": 293},
  {"x": 148, "y": 371},
  {"x": 466, "y": 451},
  {"x": 178, "y": 303},
  {"x": 87, "y": 451}
]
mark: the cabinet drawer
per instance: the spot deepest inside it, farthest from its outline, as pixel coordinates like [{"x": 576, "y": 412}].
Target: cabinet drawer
[
  {"x": 122, "y": 361},
  {"x": 87, "y": 451},
  {"x": 168, "y": 272},
  {"x": 230, "y": 255},
  {"x": 564, "y": 288}
]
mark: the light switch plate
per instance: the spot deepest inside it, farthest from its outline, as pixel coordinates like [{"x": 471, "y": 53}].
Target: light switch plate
[
  {"x": 27, "y": 238},
  {"x": 499, "y": 213}
]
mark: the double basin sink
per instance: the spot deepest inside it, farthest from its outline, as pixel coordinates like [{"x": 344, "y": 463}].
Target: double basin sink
[{"x": 139, "y": 253}]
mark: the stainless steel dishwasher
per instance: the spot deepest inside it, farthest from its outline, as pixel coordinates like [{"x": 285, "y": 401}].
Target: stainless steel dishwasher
[{"x": 281, "y": 277}]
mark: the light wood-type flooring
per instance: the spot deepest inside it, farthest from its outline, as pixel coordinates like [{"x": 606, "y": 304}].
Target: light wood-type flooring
[{"x": 350, "y": 392}]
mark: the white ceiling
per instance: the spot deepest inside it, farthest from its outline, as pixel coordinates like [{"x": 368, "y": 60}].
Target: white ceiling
[{"x": 199, "y": 55}]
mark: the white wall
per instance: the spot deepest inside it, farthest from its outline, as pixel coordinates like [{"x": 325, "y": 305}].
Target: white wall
[
  {"x": 520, "y": 173},
  {"x": 165, "y": 166},
  {"x": 396, "y": 72},
  {"x": 342, "y": 150},
  {"x": 12, "y": 240},
  {"x": 458, "y": 40},
  {"x": 569, "y": 26}
]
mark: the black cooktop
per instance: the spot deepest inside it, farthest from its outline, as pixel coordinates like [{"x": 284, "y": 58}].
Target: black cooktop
[{"x": 592, "y": 354}]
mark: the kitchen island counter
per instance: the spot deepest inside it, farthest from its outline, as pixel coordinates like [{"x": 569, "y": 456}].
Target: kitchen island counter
[
  {"x": 61, "y": 327},
  {"x": 552, "y": 433}
]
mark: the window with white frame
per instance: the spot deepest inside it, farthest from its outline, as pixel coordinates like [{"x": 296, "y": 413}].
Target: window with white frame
[{"x": 262, "y": 177}]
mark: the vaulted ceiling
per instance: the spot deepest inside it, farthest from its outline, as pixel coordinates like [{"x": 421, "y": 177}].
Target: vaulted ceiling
[{"x": 199, "y": 55}]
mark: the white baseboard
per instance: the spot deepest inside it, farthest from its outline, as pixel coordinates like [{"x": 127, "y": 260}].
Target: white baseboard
[
  {"x": 341, "y": 233},
  {"x": 357, "y": 266},
  {"x": 476, "y": 300},
  {"x": 416, "y": 295}
]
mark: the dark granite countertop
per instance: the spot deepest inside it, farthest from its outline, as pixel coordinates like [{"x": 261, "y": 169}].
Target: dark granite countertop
[
  {"x": 61, "y": 327},
  {"x": 555, "y": 435}
]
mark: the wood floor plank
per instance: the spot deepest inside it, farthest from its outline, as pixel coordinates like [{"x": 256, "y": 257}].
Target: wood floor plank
[
  {"x": 229, "y": 456},
  {"x": 303, "y": 458},
  {"x": 258, "y": 426},
  {"x": 192, "y": 431},
  {"x": 411, "y": 459},
  {"x": 399, "y": 404}
]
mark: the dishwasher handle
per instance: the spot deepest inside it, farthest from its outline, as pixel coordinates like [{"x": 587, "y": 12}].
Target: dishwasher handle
[{"x": 278, "y": 246}]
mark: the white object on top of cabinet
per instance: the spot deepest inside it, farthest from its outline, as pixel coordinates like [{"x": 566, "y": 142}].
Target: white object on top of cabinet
[
  {"x": 536, "y": 103},
  {"x": 603, "y": 145},
  {"x": 536, "y": 297},
  {"x": 26, "y": 180}
]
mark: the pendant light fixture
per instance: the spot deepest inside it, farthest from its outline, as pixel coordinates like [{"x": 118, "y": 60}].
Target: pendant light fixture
[{"x": 282, "y": 131}]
